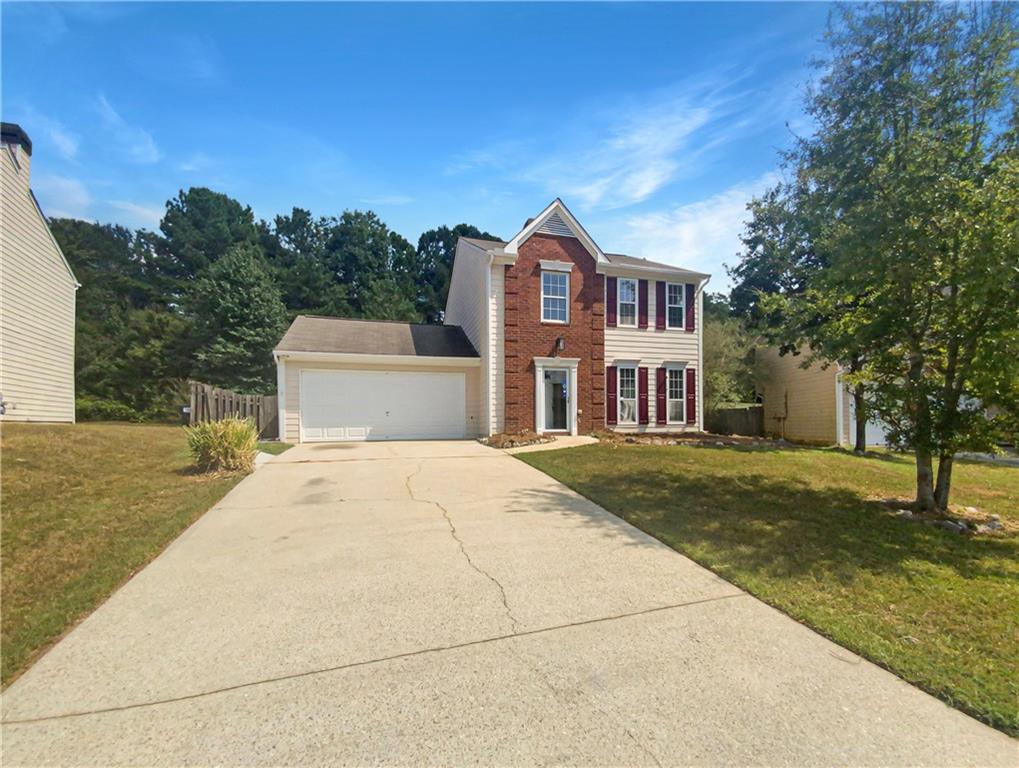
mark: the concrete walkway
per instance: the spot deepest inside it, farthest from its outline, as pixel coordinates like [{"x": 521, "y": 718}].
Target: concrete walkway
[{"x": 446, "y": 604}]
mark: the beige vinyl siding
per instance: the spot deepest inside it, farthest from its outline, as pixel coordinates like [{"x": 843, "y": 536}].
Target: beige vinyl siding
[
  {"x": 467, "y": 306},
  {"x": 496, "y": 347},
  {"x": 799, "y": 404},
  {"x": 651, "y": 348},
  {"x": 37, "y": 299},
  {"x": 292, "y": 390}
]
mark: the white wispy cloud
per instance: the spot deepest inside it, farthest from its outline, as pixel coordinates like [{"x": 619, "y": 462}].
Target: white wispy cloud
[
  {"x": 137, "y": 214},
  {"x": 62, "y": 197},
  {"x": 136, "y": 143},
  {"x": 702, "y": 235}
]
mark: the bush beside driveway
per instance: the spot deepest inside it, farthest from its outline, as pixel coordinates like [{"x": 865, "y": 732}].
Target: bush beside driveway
[{"x": 804, "y": 531}]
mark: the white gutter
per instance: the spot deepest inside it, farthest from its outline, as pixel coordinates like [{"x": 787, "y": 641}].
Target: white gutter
[{"x": 355, "y": 358}]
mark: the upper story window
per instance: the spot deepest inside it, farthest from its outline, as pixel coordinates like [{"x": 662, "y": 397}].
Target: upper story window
[
  {"x": 555, "y": 291},
  {"x": 627, "y": 301},
  {"x": 675, "y": 314}
]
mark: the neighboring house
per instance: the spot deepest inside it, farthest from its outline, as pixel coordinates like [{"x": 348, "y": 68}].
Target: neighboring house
[
  {"x": 805, "y": 405},
  {"x": 37, "y": 296},
  {"x": 545, "y": 332}
]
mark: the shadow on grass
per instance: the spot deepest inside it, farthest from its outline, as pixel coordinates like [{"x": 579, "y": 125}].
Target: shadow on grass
[{"x": 782, "y": 528}]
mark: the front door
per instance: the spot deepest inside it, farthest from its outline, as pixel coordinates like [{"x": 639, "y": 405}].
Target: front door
[{"x": 557, "y": 399}]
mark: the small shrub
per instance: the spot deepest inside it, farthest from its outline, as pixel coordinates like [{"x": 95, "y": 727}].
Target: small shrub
[
  {"x": 230, "y": 444},
  {"x": 89, "y": 408}
]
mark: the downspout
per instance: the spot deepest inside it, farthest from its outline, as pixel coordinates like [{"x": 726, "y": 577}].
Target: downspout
[
  {"x": 700, "y": 354},
  {"x": 281, "y": 396}
]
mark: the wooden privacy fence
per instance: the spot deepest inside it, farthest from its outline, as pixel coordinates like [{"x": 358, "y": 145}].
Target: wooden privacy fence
[
  {"x": 209, "y": 403},
  {"x": 742, "y": 420}
]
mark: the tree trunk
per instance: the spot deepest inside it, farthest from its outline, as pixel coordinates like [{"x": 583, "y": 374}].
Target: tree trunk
[
  {"x": 944, "y": 483},
  {"x": 861, "y": 420},
  {"x": 924, "y": 482}
]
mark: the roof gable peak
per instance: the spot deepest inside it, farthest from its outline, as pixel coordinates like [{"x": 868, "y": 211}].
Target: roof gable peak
[{"x": 557, "y": 220}]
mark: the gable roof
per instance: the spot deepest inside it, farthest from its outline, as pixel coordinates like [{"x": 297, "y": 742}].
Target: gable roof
[
  {"x": 314, "y": 333},
  {"x": 560, "y": 221}
]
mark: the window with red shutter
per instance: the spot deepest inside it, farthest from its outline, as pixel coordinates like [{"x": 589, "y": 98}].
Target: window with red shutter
[
  {"x": 642, "y": 404},
  {"x": 660, "y": 305},
  {"x": 610, "y": 302},
  {"x": 610, "y": 394},
  {"x": 660, "y": 392},
  {"x": 689, "y": 307},
  {"x": 691, "y": 396},
  {"x": 642, "y": 303}
]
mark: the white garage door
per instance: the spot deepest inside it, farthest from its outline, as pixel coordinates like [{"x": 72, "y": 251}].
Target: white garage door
[{"x": 381, "y": 405}]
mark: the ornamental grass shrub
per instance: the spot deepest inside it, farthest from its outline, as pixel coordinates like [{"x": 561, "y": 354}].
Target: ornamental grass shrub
[{"x": 228, "y": 445}]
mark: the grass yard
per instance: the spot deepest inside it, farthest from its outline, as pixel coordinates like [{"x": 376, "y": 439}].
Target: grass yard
[
  {"x": 801, "y": 530},
  {"x": 84, "y": 507},
  {"x": 274, "y": 447}
]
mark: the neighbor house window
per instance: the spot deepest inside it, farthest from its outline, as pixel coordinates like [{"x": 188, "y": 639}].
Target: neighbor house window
[
  {"x": 627, "y": 302},
  {"x": 555, "y": 289},
  {"x": 676, "y": 404},
  {"x": 674, "y": 310},
  {"x": 627, "y": 395}
]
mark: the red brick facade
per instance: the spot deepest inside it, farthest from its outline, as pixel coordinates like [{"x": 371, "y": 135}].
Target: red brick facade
[{"x": 527, "y": 337}]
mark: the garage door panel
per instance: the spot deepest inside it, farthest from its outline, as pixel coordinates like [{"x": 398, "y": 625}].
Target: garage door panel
[{"x": 381, "y": 405}]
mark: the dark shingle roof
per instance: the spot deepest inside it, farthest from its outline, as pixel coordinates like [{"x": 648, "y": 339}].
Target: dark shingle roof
[
  {"x": 488, "y": 245},
  {"x": 310, "y": 333}
]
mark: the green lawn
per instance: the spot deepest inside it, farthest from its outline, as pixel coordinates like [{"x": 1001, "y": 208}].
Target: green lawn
[
  {"x": 84, "y": 507},
  {"x": 274, "y": 447},
  {"x": 801, "y": 530}
]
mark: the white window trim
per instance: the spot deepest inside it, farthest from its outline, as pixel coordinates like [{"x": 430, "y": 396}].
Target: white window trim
[
  {"x": 619, "y": 392},
  {"x": 682, "y": 307},
  {"x": 619, "y": 302},
  {"x": 681, "y": 368},
  {"x": 543, "y": 318},
  {"x": 540, "y": 364},
  {"x": 556, "y": 266}
]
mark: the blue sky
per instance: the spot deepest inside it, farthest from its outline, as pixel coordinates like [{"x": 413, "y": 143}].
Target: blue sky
[{"x": 654, "y": 122}]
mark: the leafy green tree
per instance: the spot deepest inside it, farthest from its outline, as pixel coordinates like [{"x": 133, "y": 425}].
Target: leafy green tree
[
  {"x": 376, "y": 265},
  {"x": 238, "y": 318},
  {"x": 908, "y": 188},
  {"x": 435, "y": 252},
  {"x": 728, "y": 360},
  {"x": 200, "y": 226},
  {"x": 296, "y": 247}
]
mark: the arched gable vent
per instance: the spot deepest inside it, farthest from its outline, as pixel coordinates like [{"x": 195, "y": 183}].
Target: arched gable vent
[{"x": 554, "y": 225}]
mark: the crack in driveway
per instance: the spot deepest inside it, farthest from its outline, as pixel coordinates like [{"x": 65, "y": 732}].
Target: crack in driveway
[{"x": 515, "y": 624}]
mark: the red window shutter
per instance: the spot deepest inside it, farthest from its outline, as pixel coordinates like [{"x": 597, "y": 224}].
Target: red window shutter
[
  {"x": 642, "y": 303},
  {"x": 660, "y": 305},
  {"x": 661, "y": 391},
  {"x": 610, "y": 395},
  {"x": 610, "y": 302},
  {"x": 642, "y": 414},
  {"x": 691, "y": 396},
  {"x": 689, "y": 307}
]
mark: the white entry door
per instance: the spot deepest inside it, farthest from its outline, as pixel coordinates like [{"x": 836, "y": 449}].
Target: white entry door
[{"x": 381, "y": 405}]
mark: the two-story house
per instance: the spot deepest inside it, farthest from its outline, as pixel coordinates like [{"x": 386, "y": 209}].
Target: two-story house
[{"x": 545, "y": 332}]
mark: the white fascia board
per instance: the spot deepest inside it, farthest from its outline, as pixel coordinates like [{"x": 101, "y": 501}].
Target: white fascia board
[
  {"x": 627, "y": 270},
  {"x": 355, "y": 358},
  {"x": 557, "y": 206}
]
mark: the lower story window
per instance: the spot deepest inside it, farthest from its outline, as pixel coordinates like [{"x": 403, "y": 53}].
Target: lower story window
[
  {"x": 676, "y": 402},
  {"x": 628, "y": 395}
]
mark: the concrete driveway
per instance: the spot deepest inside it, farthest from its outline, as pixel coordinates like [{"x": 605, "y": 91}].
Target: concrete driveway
[{"x": 445, "y": 604}]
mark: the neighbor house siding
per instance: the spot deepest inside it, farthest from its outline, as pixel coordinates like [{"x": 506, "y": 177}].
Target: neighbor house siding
[
  {"x": 654, "y": 348},
  {"x": 292, "y": 391},
  {"x": 800, "y": 404},
  {"x": 37, "y": 298}
]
